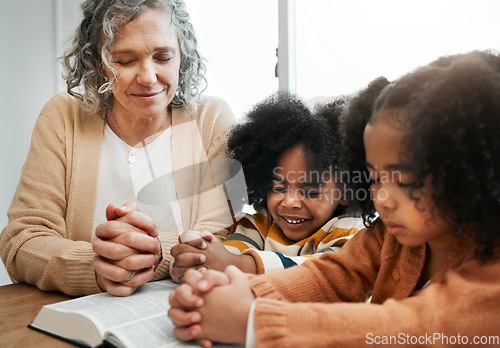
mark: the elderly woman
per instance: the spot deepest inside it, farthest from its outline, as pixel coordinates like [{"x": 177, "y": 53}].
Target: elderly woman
[{"x": 132, "y": 115}]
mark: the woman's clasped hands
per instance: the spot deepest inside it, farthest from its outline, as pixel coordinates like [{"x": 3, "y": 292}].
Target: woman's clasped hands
[
  {"x": 211, "y": 306},
  {"x": 127, "y": 249}
]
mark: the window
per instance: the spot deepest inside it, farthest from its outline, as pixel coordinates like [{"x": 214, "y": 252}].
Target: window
[
  {"x": 239, "y": 40},
  {"x": 342, "y": 45}
]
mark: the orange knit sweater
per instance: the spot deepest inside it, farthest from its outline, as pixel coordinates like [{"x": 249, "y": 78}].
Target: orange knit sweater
[{"x": 461, "y": 303}]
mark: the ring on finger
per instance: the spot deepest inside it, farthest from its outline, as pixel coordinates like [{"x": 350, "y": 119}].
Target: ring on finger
[{"x": 130, "y": 277}]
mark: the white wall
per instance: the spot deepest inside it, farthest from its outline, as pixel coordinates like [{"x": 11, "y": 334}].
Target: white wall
[{"x": 29, "y": 77}]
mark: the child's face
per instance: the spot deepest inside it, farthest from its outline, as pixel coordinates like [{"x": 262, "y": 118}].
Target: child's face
[
  {"x": 410, "y": 222},
  {"x": 298, "y": 204}
]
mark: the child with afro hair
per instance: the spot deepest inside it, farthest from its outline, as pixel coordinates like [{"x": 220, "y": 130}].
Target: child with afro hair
[{"x": 290, "y": 159}]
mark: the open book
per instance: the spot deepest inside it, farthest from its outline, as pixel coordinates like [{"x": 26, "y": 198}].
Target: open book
[{"x": 139, "y": 320}]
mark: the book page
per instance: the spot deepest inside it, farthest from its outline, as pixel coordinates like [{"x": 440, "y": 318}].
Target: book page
[
  {"x": 156, "y": 331},
  {"x": 106, "y": 310},
  {"x": 139, "y": 320}
]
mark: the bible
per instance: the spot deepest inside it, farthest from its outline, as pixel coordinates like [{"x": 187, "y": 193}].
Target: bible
[{"x": 104, "y": 320}]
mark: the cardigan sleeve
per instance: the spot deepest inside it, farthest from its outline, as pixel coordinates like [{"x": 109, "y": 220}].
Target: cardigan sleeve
[
  {"x": 462, "y": 309},
  {"x": 325, "y": 298},
  {"x": 213, "y": 213},
  {"x": 36, "y": 246}
]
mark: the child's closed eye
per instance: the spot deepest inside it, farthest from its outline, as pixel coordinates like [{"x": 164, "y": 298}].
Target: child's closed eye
[
  {"x": 312, "y": 193},
  {"x": 278, "y": 189},
  {"x": 405, "y": 184}
]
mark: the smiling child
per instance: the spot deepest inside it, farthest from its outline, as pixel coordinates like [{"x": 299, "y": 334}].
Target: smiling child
[{"x": 290, "y": 158}]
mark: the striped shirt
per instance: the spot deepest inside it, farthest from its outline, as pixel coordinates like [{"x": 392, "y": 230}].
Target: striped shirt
[{"x": 262, "y": 238}]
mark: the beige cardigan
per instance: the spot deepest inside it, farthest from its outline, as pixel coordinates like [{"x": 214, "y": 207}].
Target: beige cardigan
[{"x": 47, "y": 239}]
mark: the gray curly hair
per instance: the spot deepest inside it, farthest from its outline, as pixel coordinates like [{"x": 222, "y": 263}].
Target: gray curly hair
[{"x": 84, "y": 61}]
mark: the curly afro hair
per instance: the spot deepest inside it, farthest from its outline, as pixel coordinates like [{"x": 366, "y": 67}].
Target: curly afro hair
[
  {"x": 276, "y": 124},
  {"x": 452, "y": 120},
  {"x": 352, "y": 127}
]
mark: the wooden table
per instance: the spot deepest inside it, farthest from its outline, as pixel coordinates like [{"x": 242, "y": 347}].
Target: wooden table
[{"x": 19, "y": 305}]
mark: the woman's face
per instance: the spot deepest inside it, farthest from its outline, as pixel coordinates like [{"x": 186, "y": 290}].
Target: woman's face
[
  {"x": 297, "y": 202},
  {"x": 147, "y": 56}
]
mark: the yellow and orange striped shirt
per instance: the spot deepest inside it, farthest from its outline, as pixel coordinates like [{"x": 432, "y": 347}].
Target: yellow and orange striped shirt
[{"x": 262, "y": 238}]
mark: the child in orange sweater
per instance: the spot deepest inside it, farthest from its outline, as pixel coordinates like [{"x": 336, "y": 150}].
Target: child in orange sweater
[{"x": 430, "y": 260}]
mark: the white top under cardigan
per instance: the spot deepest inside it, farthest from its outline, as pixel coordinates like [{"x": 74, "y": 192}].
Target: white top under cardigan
[{"x": 120, "y": 181}]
